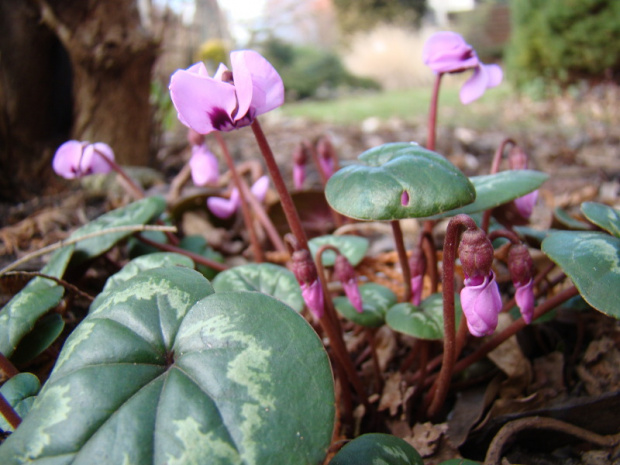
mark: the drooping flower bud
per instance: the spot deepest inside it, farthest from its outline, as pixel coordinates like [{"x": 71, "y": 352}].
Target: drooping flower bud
[
  {"x": 304, "y": 269},
  {"x": 195, "y": 138},
  {"x": 475, "y": 253},
  {"x": 344, "y": 272},
  {"x": 520, "y": 265},
  {"x": 326, "y": 155},
  {"x": 417, "y": 265},
  {"x": 300, "y": 158},
  {"x": 203, "y": 165},
  {"x": 519, "y": 160},
  {"x": 481, "y": 302},
  {"x": 224, "y": 208}
]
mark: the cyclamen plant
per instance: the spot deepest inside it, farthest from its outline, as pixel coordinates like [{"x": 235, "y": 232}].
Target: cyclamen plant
[{"x": 169, "y": 367}]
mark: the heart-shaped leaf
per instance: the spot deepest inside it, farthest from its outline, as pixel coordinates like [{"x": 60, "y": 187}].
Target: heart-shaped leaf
[
  {"x": 146, "y": 262},
  {"x": 561, "y": 216},
  {"x": 493, "y": 190},
  {"x": 45, "y": 332},
  {"x": 592, "y": 261},
  {"x": 136, "y": 213},
  {"x": 375, "y": 449},
  {"x": 19, "y": 391},
  {"x": 19, "y": 316},
  {"x": 267, "y": 278},
  {"x": 398, "y": 180},
  {"x": 376, "y": 300},
  {"x": 423, "y": 322},
  {"x": 352, "y": 247},
  {"x": 163, "y": 371},
  {"x": 603, "y": 216}
]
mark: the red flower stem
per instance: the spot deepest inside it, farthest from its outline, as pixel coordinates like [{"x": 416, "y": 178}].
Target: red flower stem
[
  {"x": 292, "y": 217},
  {"x": 135, "y": 189},
  {"x": 449, "y": 349},
  {"x": 370, "y": 337},
  {"x": 514, "y": 328},
  {"x": 245, "y": 209},
  {"x": 411, "y": 356},
  {"x": 430, "y": 253},
  {"x": 171, "y": 248},
  {"x": 7, "y": 367},
  {"x": 402, "y": 258},
  {"x": 9, "y": 414},
  {"x": 331, "y": 326},
  {"x": 432, "y": 114},
  {"x": 497, "y": 158}
]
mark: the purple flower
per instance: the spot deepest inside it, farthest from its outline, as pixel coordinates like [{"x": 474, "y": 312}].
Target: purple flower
[
  {"x": 344, "y": 271},
  {"x": 228, "y": 100},
  {"x": 447, "y": 52},
  {"x": 75, "y": 159},
  {"x": 203, "y": 165},
  {"x": 481, "y": 304},
  {"x": 524, "y": 296},
  {"x": 299, "y": 176},
  {"x": 305, "y": 272},
  {"x": 417, "y": 285},
  {"x": 525, "y": 205},
  {"x": 224, "y": 208},
  {"x": 312, "y": 294}
]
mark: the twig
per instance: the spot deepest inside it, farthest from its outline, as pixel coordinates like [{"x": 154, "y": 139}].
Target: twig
[
  {"x": 60, "y": 244},
  {"x": 9, "y": 413},
  {"x": 171, "y": 248},
  {"x": 494, "y": 453},
  {"x": 61, "y": 282}
]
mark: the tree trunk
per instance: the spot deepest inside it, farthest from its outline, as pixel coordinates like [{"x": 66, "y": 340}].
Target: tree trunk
[{"x": 71, "y": 69}]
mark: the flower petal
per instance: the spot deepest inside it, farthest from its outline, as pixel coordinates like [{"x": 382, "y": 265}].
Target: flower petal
[
  {"x": 203, "y": 103},
  {"x": 299, "y": 176},
  {"x": 524, "y": 296},
  {"x": 93, "y": 162},
  {"x": 447, "y": 52},
  {"x": 352, "y": 291},
  {"x": 417, "y": 284},
  {"x": 475, "y": 86},
  {"x": 495, "y": 75},
  {"x": 313, "y": 297},
  {"x": 259, "y": 86},
  {"x": 203, "y": 165},
  {"x": 260, "y": 187},
  {"x": 223, "y": 208},
  {"x": 525, "y": 205},
  {"x": 67, "y": 159},
  {"x": 481, "y": 305}
]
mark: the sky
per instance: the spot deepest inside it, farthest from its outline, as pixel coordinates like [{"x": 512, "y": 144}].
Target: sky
[{"x": 240, "y": 13}]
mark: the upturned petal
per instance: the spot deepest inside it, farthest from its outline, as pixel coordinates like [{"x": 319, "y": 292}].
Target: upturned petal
[
  {"x": 313, "y": 297},
  {"x": 525, "y": 205},
  {"x": 447, "y": 52},
  {"x": 524, "y": 296},
  {"x": 417, "y": 284},
  {"x": 481, "y": 305},
  {"x": 203, "y": 165},
  {"x": 484, "y": 77},
  {"x": 259, "y": 86},
  {"x": 203, "y": 103},
  {"x": 260, "y": 187},
  {"x": 66, "y": 162},
  {"x": 93, "y": 161},
  {"x": 224, "y": 208}
]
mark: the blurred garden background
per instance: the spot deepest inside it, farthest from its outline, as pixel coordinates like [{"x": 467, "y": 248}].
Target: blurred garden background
[{"x": 99, "y": 71}]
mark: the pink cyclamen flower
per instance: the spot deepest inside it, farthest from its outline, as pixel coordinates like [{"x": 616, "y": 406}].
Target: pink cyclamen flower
[
  {"x": 525, "y": 205},
  {"x": 75, "y": 159},
  {"x": 481, "y": 304},
  {"x": 203, "y": 165},
  {"x": 447, "y": 52},
  {"x": 228, "y": 100},
  {"x": 524, "y": 296},
  {"x": 305, "y": 272},
  {"x": 312, "y": 294},
  {"x": 417, "y": 285},
  {"x": 224, "y": 208},
  {"x": 345, "y": 273}
]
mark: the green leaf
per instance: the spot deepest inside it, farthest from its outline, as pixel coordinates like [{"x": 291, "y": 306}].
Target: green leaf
[
  {"x": 164, "y": 371},
  {"x": 377, "y": 449},
  {"x": 352, "y": 247},
  {"x": 136, "y": 213},
  {"x": 146, "y": 262},
  {"x": 137, "y": 248},
  {"x": 199, "y": 246},
  {"x": 45, "y": 332},
  {"x": 373, "y": 189},
  {"x": 493, "y": 190},
  {"x": 19, "y": 316},
  {"x": 376, "y": 300},
  {"x": 603, "y": 216},
  {"x": 562, "y": 217},
  {"x": 423, "y": 322},
  {"x": 592, "y": 261},
  {"x": 19, "y": 391},
  {"x": 267, "y": 278}
]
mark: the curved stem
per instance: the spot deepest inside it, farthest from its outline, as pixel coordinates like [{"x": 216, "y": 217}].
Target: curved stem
[
  {"x": 292, "y": 217},
  {"x": 135, "y": 189},
  {"x": 402, "y": 258},
  {"x": 245, "y": 209},
  {"x": 497, "y": 158},
  {"x": 510, "y": 235},
  {"x": 449, "y": 256},
  {"x": 432, "y": 114},
  {"x": 494, "y": 452}
]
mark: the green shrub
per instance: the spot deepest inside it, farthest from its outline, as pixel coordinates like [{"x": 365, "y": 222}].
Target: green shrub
[
  {"x": 564, "y": 41},
  {"x": 309, "y": 71}
]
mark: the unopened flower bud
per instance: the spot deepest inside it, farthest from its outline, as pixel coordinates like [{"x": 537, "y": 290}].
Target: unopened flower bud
[
  {"x": 326, "y": 155},
  {"x": 481, "y": 302},
  {"x": 304, "y": 270},
  {"x": 520, "y": 265},
  {"x": 417, "y": 265},
  {"x": 475, "y": 253},
  {"x": 300, "y": 158},
  {"x": 345, "y": 273},
  {"x": 517, "y": 158}
]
